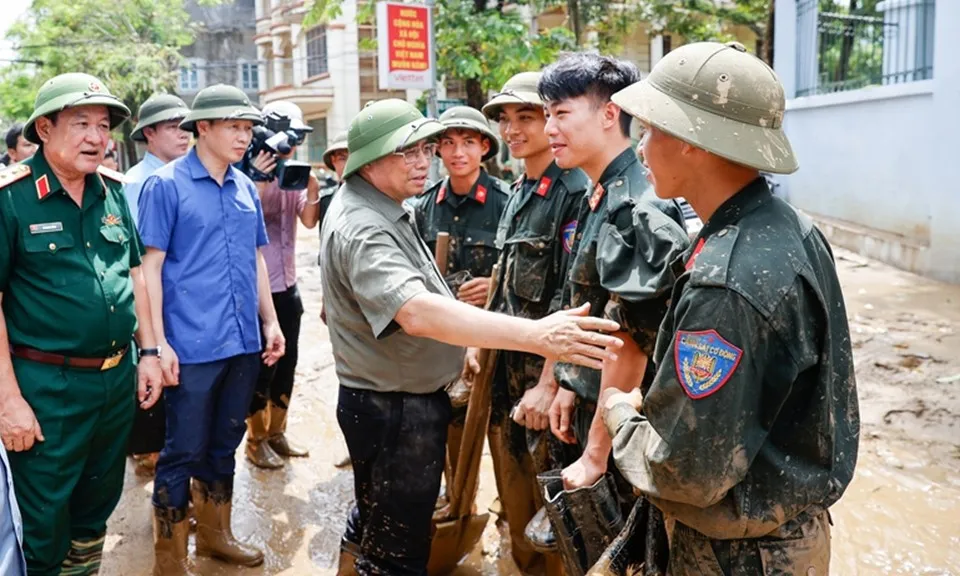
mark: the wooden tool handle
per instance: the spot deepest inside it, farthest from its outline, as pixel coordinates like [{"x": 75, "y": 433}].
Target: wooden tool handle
[
  {"x": 474, "y": 428},
  {"x": 440, "y": 252}
]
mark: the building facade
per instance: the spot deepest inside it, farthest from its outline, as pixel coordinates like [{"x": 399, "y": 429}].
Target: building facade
[
  {"x": 224, "y": 51},
  {"x": 872, "y": 113}
]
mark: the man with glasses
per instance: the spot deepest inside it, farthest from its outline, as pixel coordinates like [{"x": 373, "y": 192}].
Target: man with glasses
[
  {"x": 73, "y": 296},
  {"x": 398, "y": 335},
  {"x": 467, "y": 205}
]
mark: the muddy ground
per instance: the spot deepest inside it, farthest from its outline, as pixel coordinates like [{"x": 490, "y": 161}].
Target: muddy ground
[{"x": 901, "y": 515}]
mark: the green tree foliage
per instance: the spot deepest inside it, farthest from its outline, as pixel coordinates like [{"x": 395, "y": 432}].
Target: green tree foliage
[
  {"x": 693, "y": 20},
  {"x": 479, "y": 43},
  {"x": 133, "y": 46}
]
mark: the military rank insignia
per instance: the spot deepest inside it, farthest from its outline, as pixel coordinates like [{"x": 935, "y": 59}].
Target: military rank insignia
[
  {"x": 596, "y": 197},
  {"x": 543, "y": 187},
  {"x": 567, "y": 234},
  {"x": 481, "y": 194},
  {"x": 704, "y": 362}
]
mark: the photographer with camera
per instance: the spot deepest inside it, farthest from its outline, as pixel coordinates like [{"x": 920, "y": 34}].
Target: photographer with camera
[{"x": 291, "y": 191}]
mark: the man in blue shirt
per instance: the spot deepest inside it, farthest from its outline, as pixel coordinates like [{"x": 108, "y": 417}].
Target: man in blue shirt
[
  {"x": 202, "y": 224},
  {"x": 158, "y": 126}
]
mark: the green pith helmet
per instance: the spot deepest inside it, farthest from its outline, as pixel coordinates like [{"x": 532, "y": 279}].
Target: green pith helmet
[
  {"x": 69, "y": 91},
  {"x": 719, "y": 98},
  {"x": 158, "y": 108},
  {"x": 519, "y": 89},
  {"x": 383, "y": 128},
  {"x": 467, "y": 118},
  {"x": 221, "y": 102},
  {"x": 339, "y": 142}
]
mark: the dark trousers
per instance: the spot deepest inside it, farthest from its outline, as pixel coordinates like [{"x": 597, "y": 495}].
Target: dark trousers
[
  {"x": 275, "y": 383},
  {"x": 205, "y": 423},
  {"x": 397, "y": 443}
]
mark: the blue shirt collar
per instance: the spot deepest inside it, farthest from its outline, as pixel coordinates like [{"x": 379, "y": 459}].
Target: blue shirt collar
[
  {"x": 151, "y": 162},
  {"x": 198, "y": 171}
]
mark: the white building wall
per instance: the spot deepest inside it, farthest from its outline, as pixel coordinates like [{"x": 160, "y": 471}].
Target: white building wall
[{"x": 881, "y": 161}]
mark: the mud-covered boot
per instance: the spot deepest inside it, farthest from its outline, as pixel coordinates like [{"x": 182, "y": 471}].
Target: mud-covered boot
[
  {"x": 170, "y": 532},
  {"x": 212, "y": 503},
  {"x": 277, "y": 434},
  {"x": 259, "y": 451},
  {"x": 348, "y": 556},
  {"x": 539, "y": 533}
]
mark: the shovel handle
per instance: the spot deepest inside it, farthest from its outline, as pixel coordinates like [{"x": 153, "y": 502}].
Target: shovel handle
[
  {"x": 441, "y": 250},
  {"x": 475, "y": 426}
]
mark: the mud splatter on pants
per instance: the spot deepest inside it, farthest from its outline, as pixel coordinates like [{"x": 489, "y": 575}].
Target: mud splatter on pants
[{"x": 397, "y": 443}]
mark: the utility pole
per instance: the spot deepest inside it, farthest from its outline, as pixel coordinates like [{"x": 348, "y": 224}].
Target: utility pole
[{"x": 432, "y": 110}]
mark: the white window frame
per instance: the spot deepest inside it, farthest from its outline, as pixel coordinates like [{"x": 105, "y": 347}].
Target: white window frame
[
  {"x": 254, "y": 68},
  {"x": 195, "y": 65}
]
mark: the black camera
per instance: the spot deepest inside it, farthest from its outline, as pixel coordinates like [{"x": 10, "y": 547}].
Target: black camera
[{"x": 277, "y": 137}]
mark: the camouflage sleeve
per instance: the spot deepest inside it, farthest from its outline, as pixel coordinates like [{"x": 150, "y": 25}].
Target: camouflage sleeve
[
  {"x": 564, "y": 251},
  {"x": 703, "y": 420},
  {"x": 634, "y": 253}
]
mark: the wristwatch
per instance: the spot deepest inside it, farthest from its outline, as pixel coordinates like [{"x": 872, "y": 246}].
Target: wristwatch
[{"x": 150, "y": 352}]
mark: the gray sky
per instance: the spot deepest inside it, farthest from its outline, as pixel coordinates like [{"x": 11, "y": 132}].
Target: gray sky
[{"x": 12, "y": 9}]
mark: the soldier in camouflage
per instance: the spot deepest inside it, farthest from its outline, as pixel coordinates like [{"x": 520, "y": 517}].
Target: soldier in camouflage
[
  {"x": 467, "y": 204},
  {"x": 535, "y": 236},
  {"x": 749, "y": 432}
]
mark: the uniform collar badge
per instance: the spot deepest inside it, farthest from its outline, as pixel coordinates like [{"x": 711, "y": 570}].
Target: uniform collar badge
[
  {"x": 481, "y": 195},
  {"x": 696, "y": 252},
  {"x": 442, "y": 194},
  {"x": 596, "y": 197},
  {"x": 43, "y": 187},
  {"x": 544, "y": 187}
]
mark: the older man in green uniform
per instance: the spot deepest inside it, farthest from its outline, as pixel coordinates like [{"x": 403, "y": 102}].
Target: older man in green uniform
[
  {"x": 72, "y": 299},
  {"x": 750, "y": 429}
]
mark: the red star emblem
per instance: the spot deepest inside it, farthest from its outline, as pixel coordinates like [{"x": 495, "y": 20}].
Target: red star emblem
[
  {"x": 95, "y": 87},
  {"x": 544, "y": 187},
  {"x": 481, "y": 194}
]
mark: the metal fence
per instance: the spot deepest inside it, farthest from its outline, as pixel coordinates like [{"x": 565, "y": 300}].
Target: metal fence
[{"x": 838, "y": 51}]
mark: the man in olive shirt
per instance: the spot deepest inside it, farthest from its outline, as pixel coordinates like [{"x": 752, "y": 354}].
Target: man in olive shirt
[
  {"x": 397, "y": 334},
  {"x": 73, "y": 297},
  {"x": 750, "y": 429}
]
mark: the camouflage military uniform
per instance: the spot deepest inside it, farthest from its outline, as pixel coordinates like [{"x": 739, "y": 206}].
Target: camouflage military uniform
[
  {"x": 749, "y": 430},
  {"x": 470, "y": 219},
  {"x": 536, "y": 239},
  {"x": 598, "y": 278},
  {"x": 755, "y": 396}
]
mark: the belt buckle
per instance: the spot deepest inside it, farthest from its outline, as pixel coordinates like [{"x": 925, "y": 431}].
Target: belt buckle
[{"x": 112, "y": 361}]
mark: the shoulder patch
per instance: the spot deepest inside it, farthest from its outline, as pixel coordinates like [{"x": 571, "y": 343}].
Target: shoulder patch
[
  {"x": 111, "y": 174},
  {"x": 13, "y": 174},
  {"x": 567, "y": 234},
  {"x": 704, "y": 362}
]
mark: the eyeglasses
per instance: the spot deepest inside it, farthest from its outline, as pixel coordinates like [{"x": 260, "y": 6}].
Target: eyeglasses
[{"x": 412, "y": 155}]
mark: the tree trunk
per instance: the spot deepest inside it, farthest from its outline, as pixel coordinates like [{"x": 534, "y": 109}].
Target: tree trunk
[
  {"x": 475, "y": 96},
  {"x": 768, "y": 36},
  {"x": 129, "y": 146},
  {"x": 573, "y": 14},
  {"x": 846, "y": 48}
]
